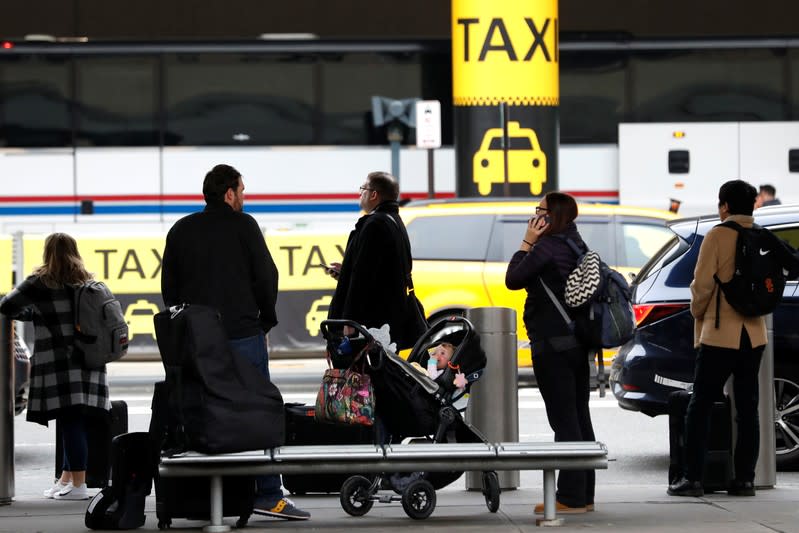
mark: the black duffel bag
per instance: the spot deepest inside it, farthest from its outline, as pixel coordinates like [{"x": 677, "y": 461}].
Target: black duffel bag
[{"x": 220, "y": 402}]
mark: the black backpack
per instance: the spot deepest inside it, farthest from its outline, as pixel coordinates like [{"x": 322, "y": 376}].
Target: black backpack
[
  {"x": 120, "y": 505},
  {"x": 759, "y": 277},
  {"x": 601, "y": 301}
]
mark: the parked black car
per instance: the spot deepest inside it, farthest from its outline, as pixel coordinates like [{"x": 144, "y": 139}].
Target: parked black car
[{"x": 660, "y": 358}]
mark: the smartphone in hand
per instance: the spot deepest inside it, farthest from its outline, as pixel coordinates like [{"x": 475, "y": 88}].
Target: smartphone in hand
[{"x": 328, "y": 268}]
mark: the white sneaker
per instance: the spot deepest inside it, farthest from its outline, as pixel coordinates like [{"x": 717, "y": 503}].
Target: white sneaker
[
  {"x": 57, "y": 487},
  {"x": 71, "y": 492}
]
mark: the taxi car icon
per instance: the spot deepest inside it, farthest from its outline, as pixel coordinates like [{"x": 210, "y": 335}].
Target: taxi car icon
[
  {"x": 317, "y": 314},
  {"x": 526, "y": 162},
  {"x": 139, "y": 317}
]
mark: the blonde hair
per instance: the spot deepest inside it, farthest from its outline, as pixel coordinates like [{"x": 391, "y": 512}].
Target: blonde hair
[{"x": 63, "y": 264}]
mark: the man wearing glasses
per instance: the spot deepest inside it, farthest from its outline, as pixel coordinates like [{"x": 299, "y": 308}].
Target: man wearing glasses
[{"x": 371, "y": 287}]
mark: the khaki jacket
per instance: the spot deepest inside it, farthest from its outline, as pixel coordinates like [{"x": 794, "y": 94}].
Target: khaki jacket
[{"x": 717, "y": 256}]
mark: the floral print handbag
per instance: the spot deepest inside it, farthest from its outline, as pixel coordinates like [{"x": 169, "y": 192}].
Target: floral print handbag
[{"x": 346, "y": 397}]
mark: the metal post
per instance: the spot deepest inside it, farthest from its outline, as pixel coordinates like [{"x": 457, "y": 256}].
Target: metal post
[
  {"x": 504, "y": 118},
  {"x": 431, "y": 181},
  {"x": 216, "y": 525},
  {"x": 6, "y": 411},
  {"x": 494, "y": 403},
  {"x": 766, "y": 469}
]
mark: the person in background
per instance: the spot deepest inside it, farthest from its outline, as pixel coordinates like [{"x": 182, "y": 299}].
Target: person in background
[
  {"x": 560, "y": 362},
  {"x": 60, "y": 388},
  {"x": 218, "y": 257},
  {"x": 767, "y": 196}
]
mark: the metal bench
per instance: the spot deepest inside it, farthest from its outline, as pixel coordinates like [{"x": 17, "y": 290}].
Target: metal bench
[{"x": 368, "y": 458}]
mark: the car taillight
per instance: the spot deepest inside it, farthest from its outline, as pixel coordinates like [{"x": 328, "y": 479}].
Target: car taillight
[{"x": 648, "y": 313}]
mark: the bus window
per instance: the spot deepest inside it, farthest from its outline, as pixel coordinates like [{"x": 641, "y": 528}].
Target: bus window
[
  {"x": 34, "y": 101},
  {"x": 349, "y": 81},
  {"x": 238, "y": 99},
  {"x": 117, "y": 101}
]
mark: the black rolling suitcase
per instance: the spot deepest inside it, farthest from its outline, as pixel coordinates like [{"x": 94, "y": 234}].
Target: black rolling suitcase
[
  {"x": 190, "y": 498},
  {"x": 302, "y": 429},
  {"x": 101, "y": 430},
  {"x": 718, "y": 461}
]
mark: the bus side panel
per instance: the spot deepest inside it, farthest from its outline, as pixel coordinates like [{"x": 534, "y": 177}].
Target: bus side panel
[
  {"x": 764, "y": 156},
  {"x": 644, "y": 177},
  {"x": 126, "y": 180}
]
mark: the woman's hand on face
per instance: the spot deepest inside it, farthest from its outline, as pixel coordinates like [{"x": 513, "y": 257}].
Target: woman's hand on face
[{"x": 535, "y": 228}]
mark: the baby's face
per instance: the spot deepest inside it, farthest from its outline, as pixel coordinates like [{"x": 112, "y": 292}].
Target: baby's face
[{"x": 443, "y": 353}]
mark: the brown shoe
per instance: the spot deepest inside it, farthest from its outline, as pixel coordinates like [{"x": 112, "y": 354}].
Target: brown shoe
[{"x": 563, "y": 509}]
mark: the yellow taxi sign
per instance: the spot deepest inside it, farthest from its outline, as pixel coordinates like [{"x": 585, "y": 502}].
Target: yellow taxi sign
[{"x": 505, "y": 51}]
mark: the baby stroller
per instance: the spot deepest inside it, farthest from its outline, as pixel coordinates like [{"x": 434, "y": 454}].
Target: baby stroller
[{"x": 411, "y": 405}]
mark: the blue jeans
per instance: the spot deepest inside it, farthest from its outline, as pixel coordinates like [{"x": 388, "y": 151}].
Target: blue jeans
[
  {"x": 73, "y": 439},
  {"x": 254, "y": 350}
]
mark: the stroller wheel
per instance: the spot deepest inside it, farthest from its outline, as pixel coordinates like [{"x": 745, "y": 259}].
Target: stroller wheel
[
  {"x": 419, "y": 499},
  {"x": 356, "y": 496},
  {"x": 491, "y": 490}
]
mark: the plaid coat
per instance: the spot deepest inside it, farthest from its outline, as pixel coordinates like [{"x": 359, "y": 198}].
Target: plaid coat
[{"x": 58, "y": 379}]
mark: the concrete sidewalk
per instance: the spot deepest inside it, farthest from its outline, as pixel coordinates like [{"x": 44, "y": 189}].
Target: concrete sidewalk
[{"x": 627, "y": 508}]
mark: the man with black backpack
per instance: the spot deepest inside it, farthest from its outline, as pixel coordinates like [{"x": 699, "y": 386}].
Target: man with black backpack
[{"x": 739, "y": 278}]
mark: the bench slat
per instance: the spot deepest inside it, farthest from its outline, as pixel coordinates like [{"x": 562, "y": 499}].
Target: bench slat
[
  {"x": 340, "y": 452},
  {"x": 444, "y": 450}
]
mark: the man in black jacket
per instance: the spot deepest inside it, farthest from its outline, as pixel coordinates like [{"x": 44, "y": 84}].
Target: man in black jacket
[
  {"x": 218, "y": 257},
  {"x": 372, "y": 279}
]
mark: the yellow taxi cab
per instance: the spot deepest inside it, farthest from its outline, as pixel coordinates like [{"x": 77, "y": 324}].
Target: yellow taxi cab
[
  {"x": 526, "y": 162},
  {"x": 461, "y": 250}
]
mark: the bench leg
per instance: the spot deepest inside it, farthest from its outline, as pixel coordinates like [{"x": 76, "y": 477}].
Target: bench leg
[
  {"x": 216, "y": 525},
  {"x": 549, "y": 501}
]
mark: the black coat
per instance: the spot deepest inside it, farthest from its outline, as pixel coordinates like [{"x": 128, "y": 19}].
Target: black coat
[
  {"x": 371, "y": 289},
  {"x": 218, "y": 257},
  {"x": 550, "y": 260}
]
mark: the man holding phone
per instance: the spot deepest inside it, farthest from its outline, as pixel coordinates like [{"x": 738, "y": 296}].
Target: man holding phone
[{"x": 372, "y": 277}]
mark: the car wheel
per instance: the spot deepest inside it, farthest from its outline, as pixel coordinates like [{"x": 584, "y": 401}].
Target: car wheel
[{"x": 786, "y": 422}]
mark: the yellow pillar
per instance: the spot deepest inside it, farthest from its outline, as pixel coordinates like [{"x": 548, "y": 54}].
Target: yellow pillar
[{"x": 505, "y": 51}]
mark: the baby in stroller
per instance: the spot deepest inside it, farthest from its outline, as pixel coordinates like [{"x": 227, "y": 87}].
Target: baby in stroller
[
  {"x": 410, "y": 405},
  {"x": 440, "y": 358}
]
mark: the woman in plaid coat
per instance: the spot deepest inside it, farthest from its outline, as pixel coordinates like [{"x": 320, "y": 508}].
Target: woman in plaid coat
[{"x": 60, "y": 388}]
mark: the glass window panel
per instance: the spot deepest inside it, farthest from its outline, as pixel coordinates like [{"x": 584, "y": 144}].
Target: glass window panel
[
  {"x": 239, "y": 99},
  {"x": 708, "y": 85},
  {"x": 117, "y": 103},
  {"x": 34, "y": 101},
  {"x": 640, "y": 242},
  {"x": 511, "y": 231},
  {"x": 443, "y": 237},
  {"x": 592, "y": 93},
  {"x": 790, "y": 235},
  {"x": 348, "y": 83},
  {"x": 598, "y": 236}
]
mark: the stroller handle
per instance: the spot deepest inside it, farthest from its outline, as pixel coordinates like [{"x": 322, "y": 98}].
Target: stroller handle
[{"x": 324, "y": 327}]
